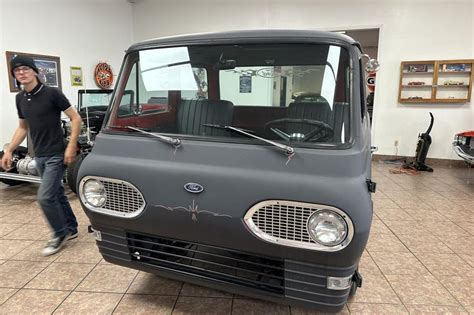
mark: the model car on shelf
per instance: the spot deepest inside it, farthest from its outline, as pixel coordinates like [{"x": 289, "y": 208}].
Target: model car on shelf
[
  {"x": 463, "y": 145},
  {"x": 415, "y": 98},
  {"x": 453, "y": 82},
  {"x": 453, "y": 67},
  {"x": 416, "y": 83},
  {"x": 417, "y": 68},
  {"x": 258, "y": 194}
]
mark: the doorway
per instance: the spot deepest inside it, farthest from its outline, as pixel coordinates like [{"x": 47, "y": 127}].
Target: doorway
[{"x": 369, "y": 41}]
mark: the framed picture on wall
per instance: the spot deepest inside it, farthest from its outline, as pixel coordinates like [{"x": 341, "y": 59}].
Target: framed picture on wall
[
  {"x": 76, "y": 76},
  {"x": 245, "y": 84},
  {"x": 49, "y": 68}
]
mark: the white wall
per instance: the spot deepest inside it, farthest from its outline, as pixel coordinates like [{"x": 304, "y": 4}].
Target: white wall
[
  {"x": 409, "y": 30},
  {"x": 261, "y": 89},
  {"x": 81, "y": 33}
]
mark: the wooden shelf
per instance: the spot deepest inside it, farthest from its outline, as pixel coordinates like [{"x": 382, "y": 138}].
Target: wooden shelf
[
  {"x": 418, "y": 86},
  {"x": 451, "y": 72},
  {"x": 436, "y": 100},
  {"x": 436, "y": 92},
  {"x": 452, "y": 100},
  {"x": 416, "y": 100},
  {"x": 427, "y": 72},
  {"x": 452, "y": 86}
]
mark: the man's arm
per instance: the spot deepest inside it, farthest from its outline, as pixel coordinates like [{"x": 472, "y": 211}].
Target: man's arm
[
  {"x": 18, "y": 137},
  {"x": 71, "y": 149}
]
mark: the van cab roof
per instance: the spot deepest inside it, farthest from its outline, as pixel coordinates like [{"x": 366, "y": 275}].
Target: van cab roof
[{"x": 247, "y": 37}]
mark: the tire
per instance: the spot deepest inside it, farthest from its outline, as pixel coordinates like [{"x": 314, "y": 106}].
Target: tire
[
  {"x": 71, "y": 172},
  {"x": 11, "y": 182}
]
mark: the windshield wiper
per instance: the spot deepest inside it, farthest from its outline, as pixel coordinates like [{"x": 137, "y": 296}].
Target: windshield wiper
[
  {"x": 288, "y": 150},
  {"x": 176, "y": 142}
]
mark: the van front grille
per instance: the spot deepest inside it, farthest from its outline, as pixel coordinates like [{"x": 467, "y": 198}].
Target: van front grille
[
  {"x": 285, "y": 223},
  {"x": 122, "y": 198},
  {"x": 216, "y": 263}
]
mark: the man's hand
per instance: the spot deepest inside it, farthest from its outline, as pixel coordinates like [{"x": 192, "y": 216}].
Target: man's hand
[
  {"x": 7, "y": 160},
  {"x": 71, "y": 149},
  {"x": 70, "y": 154}
]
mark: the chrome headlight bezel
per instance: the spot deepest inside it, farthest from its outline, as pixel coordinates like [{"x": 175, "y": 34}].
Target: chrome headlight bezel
[
  {"x": 95, "y": 197},
  {"x": 305, "y": 241},
  {"x": 332, "y": 220},
  {"x": 116, "y": 190}
]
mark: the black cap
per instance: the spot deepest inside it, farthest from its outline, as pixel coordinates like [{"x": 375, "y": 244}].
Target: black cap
[{"x": 19, "y": 61}]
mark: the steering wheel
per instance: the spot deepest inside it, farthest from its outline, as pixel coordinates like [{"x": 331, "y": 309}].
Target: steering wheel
[{"x": 320, "y": 132}]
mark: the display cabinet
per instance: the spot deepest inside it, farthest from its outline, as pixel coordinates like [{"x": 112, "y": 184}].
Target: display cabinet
[{"x": 435, "y": 81}]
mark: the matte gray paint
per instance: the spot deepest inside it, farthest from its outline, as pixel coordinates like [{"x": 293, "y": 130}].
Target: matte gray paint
[{"x": 236, "y": 176}]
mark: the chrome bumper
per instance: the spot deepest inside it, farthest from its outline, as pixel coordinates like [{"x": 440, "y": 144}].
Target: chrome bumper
[
  {"x": 20, "y": 177},
  {"x": 462, "y": 154}
]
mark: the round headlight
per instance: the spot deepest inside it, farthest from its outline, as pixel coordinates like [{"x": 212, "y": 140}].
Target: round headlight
[
  {"x": 94, "y": 193},
  {"x": 327, "y": 227}
]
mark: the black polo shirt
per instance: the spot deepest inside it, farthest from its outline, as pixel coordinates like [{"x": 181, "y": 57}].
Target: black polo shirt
[{"x": 42, "y": 108}]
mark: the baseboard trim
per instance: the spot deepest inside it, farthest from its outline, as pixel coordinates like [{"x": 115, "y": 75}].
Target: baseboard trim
[{"x": 429, "y": 161}]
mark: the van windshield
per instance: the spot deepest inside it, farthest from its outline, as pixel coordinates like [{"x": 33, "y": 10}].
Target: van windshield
[{"x": 289, "y": 93}]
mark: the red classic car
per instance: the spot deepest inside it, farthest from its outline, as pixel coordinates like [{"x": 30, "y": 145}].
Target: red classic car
[{"x": 464, "y": 146}]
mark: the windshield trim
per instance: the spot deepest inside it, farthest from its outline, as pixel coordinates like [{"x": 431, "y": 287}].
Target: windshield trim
[
  {"x": 351, "y": 48},
  {"x": 246, "y": 141}
]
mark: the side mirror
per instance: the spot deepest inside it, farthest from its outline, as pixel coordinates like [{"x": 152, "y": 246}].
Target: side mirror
[
  {"x": 138, "y": 109},
  {"x": 372, "y": 65}
]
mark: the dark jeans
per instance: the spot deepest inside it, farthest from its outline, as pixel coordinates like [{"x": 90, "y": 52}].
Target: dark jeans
[{"x": 51, "y": 195}]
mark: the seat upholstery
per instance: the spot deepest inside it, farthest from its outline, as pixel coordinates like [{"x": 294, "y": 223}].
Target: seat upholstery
[
  {"x": 192, "y": 114},
  {"x": 337, "y": 117},
  {"x": 308, "y": 110}
]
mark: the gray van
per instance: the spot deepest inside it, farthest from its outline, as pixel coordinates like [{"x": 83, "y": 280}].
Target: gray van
[{"x": 240, "y": 161}]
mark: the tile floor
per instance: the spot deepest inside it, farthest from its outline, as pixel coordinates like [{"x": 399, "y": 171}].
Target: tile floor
[{"x": 419, "y": 259}]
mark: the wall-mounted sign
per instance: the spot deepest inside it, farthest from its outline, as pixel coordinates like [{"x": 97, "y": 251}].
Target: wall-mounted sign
[
  {"x": 245, "y": 84},
  {"x": 76, "y": 76},
  {"x": 371, "y": 81},
  {"x": 103, "y": 75}
]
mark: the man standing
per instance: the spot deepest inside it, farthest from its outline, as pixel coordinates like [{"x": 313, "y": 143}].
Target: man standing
[{"x": 39, "y": 110}]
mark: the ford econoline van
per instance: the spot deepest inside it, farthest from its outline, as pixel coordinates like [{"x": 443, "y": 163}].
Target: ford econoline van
[{"x": 240, "y": 161}]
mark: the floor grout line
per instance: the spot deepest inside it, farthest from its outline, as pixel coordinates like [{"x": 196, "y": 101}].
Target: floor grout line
[
  {"x": 436, "y": 185},
  {"x": 177, "y": 297},
  {"x": 123, "y": 295},
  {"x": 449, "y": 292},
  {"x": 74, "y": 289}
]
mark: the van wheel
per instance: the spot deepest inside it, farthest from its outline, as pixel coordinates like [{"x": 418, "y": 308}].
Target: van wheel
[
  {"x": 71, "y": 172},
  {"x": 10, "y": 182}
]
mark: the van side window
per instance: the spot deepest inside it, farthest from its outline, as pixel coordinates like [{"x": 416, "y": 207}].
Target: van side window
[
  {"x": 128, "y": 101},
  {"x": 137, "y": 100}
]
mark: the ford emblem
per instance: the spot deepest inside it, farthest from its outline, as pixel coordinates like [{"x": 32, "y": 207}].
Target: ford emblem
[{"x": 193, "y": 188}]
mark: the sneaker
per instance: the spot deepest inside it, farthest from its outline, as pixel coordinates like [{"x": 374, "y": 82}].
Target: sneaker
[
  {"x": 54, "y": 245},
  {"x": 72, "y": 235}
]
